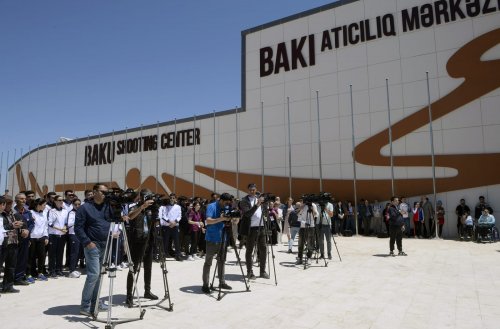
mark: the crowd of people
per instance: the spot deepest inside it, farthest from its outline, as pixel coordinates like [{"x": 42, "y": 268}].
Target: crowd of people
[{"x": 55, "y": 236}]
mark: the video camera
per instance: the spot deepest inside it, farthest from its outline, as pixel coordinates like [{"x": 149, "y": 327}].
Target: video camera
[
  {"x": 322, "y": 199},
  {"x": 268, "y": 197},
  {"x": 232, "y": 213},
  {"x": 116, "y": 197}
]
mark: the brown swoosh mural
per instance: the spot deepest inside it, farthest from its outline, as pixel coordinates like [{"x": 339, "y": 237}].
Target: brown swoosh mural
[
  {"x": 481, "y": 77},
  {"x": 184, "y": 187}
]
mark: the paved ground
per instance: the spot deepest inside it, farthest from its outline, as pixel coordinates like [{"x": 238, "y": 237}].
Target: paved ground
[{"x": 441, "y": 284}]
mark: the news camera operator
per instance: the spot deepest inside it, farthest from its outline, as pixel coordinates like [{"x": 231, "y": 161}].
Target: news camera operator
[
  {"x": 324, "y": 223},
  {"x": 252, "y": 227},
  {"x": 216, "y": 219},
  {"x": 143, "y": 217},
  {"x": 92, "y": 224},
  {"x": 307, "y": 217}
]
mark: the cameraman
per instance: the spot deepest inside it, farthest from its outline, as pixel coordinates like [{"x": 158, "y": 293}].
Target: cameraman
[
  {"x": 92, "y": 224},
  {"x": 215, "y": 224},
  {"x": 307, "y": 217},
  {"x": 253, "y": 227},
  {"x": 324, "y": 223},
  {"x": 142, "y": 218}
]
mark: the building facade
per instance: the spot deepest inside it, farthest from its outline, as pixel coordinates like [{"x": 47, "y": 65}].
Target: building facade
[{"x": 354, "y": 80}]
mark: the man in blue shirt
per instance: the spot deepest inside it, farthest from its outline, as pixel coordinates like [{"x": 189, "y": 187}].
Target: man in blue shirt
[
  {"x": 213, "y": 236},
  {"x": 92, "y": 224}
]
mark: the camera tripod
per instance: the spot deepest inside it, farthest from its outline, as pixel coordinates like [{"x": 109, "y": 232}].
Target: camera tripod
[
  {"x": 264, "y": 225},
  {"x": 310, "y": 239},
  {"x": 108, "y": 267},
  {"x": 158, "y": 241},
  {"x": 221, "y": 258},
  {"x": 322, "y": 214}
]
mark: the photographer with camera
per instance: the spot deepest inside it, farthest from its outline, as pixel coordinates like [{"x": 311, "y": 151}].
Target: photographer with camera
[
  {"x": 307, "y": 217},
  {"x": 215, "y": 221},
  {"x": 92, "y": 224},
  {"x": 324, "y": 223},
  {"x": 142, "y": 218},
  {"x": 252, "y": 207}
]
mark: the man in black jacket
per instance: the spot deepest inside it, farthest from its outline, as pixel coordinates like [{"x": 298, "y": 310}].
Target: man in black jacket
[
  {"x": 252, "y": 227},
  {"x": 396, "y": 227},
  {"x": 16, "y": 228},
  {"x": 141, "y": 240}
]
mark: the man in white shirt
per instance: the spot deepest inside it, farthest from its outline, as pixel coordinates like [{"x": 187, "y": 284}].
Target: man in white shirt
[
  {"x": 170, "y": 215},
  {"x": 251, "y": 208}
]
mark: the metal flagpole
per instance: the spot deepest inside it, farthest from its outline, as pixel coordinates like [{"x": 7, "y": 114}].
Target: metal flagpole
[
  {"x": 29, "y": 167},
  {"x": 319, "y": 146},
  {"x": 55, "y": 165},
  {"x": 194, "y": 155},
  {"x": 36, "y": 167},
  {"x": 237, "y": 154},
  {"x": 112, "y": 157},
  {"x": 76, "y": 158},
  {"x": 125, "y": 160},
  {"x": 140, "y": 157},
  {"x": 99, "y": 159},
  {"x": 390, "y": 136},
  {"x": 262, "y": 145},
  {"x": 45, "y": 167},
  {"x": 1, "y": 169},
  {"x": 157, "y": 154},
  {"x": 7, "y": 172},
  {"x": 13, "y": 170},
  {"x": 289, "y": 149},
  {"x": 432, "y": 154},
  {"x": 64, "y": 168},
  {"x": 175, "y": 154},
  {"x": 355, "y": 210},
  {"x": 215, "y": 158},
  {"x": 86, "y": 167},
  {"x": 21, "y": 171}
]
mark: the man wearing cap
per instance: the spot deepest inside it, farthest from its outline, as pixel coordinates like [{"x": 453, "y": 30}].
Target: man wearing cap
[
  {"x": 253, "y": 227},
  {"x": 170, "y": 216}
]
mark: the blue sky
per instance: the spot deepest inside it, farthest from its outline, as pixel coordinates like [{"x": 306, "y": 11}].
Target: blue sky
[{"x": 77, "y": 68}]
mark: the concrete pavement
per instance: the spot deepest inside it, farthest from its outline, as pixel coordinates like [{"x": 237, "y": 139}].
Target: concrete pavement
[{"x": 441, "y": 284}]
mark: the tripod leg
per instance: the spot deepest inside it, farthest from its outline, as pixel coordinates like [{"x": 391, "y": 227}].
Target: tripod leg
[
  {"x": 335, "y": 243},
  {"x": 131, "y": 269},
  {"x": 163, "y": 265},
  {"x": 103, "y": 265},
  {"x": 215, "y": 272},
  {"x": 274, "y": 266},
  {"x": 247, "y": 284}
]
